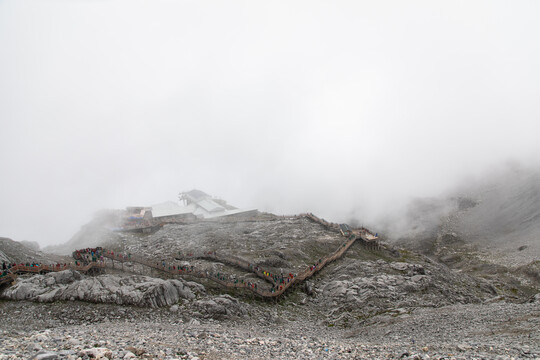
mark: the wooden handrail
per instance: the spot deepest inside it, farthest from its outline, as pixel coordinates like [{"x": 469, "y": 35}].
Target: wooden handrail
[{"x": 280, "y": 287}]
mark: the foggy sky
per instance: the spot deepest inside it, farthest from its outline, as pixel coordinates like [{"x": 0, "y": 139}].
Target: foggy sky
[{"x": 342, "y": 108}]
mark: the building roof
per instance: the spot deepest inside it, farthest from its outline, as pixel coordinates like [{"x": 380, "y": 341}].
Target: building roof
[
  {"x": 201, "y": 205},
  {"x": 197, "y": 195},
  {"x": 209, "y": 205},
  {"x": 170, "y": 208},
  {"x": 227, "y": 213}
]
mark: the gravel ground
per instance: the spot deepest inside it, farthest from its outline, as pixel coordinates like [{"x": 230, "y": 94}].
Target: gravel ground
[{"x": 76, "y": 330}]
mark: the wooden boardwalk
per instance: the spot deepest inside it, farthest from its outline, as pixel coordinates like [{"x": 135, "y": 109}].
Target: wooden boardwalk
[{"x": 279, "y": 285}]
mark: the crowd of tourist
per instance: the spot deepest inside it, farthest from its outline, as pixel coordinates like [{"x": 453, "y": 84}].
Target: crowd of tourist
[
  {"x": 98, "y": 254},
  {"x": 89, "y": 254},
  {"x": 279, "y": 281},
  {"x": 5, "y": 269}
]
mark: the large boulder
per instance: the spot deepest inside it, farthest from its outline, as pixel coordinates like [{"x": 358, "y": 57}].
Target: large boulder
[
  {"x": 220, "y": 307},
  {"x": 130, "y": 290}
]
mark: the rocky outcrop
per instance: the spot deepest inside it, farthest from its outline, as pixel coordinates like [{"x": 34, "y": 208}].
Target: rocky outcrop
[
  {"x": 361, "y": 290},
  {"x": 220, "y": 307},
  {"x": 4, "y": 257},
  {"x": 22, "y": 252},
  {"x": 71, "y": 285},
  {"x": 380, "y": 286}
]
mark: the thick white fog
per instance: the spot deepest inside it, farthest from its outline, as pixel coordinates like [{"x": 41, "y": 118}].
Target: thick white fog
[{"x": 343, "y": 108}]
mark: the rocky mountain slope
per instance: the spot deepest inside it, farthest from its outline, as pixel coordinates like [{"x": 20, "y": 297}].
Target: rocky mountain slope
[
  {"x": 363, "y": 283},
  {"x": 363, "y": 297},
  {"x": 489, "y": 228},
  {"x": 499, "y": 211},
  {"x": 16, "y": 252},
  {"x": 505, "y": 217}
]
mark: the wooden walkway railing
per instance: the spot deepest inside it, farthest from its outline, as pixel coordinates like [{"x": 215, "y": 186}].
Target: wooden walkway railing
[
  {"x": 279, "y": 284},
  {"x": 320, "y": 221},
  {"x": 184, "y": 271},
  {"x": 235, "y": 261},
  {"x": 7, "y": 279}
]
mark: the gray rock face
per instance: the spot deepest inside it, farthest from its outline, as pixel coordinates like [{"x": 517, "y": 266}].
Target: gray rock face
[
  {"x": 4, "y": 257},
  {"x": 379, "y": 286},
  {"x": 360, "y": 290},
  {"x": 16, "y": 252},
  {"x": 220, "y": 307},
  {"x": 70, "y": 285}
]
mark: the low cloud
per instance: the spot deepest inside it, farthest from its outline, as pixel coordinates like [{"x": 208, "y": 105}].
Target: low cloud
[{"x": 347, "y": 111}]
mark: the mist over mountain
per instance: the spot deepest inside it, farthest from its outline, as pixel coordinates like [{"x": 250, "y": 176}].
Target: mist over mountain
[
  {"x": 498, "y": 211},
  {"x": 94, "y": 233},
  {"x": 381, "y": 159},
  {"x": 506, "y": 218},
  {"x": 346, "y": 111},
  {"x": 18, "y": 252}
]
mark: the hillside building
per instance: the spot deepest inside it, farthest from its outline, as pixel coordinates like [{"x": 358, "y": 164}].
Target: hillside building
[{"x": 196, "y": 204}]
